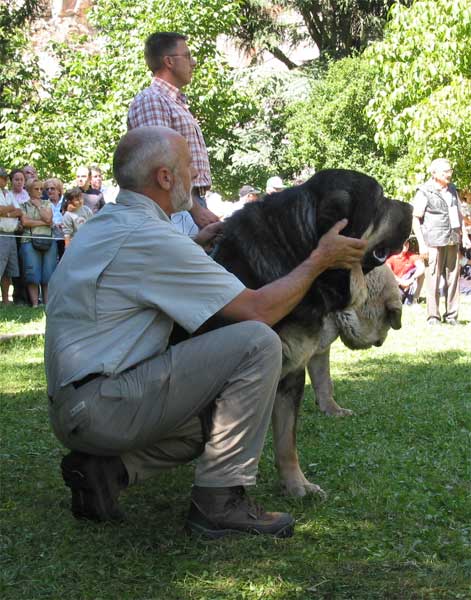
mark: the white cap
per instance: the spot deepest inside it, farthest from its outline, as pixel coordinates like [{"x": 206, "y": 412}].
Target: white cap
[{"x": 275, "y": 183}]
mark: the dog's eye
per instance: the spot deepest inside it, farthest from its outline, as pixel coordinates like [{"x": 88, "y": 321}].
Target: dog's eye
[{"x": 381, "y": 254}]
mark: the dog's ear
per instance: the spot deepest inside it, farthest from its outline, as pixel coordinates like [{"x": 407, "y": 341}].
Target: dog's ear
[
  {"x": 394, "y": 315},
  {"x": 358, "y": 287},
  {"x": 334, "y": 205}
]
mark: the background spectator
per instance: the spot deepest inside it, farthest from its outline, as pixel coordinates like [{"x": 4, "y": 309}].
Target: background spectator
[
  {"x": 37, "y": 265},
  {"x": 75, "y": 214},
  {"x": 409, "y": 271},
  {"x": 55, "y": 190},
  {"x": 439, "y": 227},
  {"x": 29, "y": 172},
  {"x": 9, "y": 215},
  {"x": 18, "y": 180},
  {"x": 82, "y": 177},
  {"x": 274, "y": 184}
]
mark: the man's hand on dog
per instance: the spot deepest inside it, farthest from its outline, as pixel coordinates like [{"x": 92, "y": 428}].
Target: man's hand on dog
[
  {"x": 209, "y": 235},
  {"x": 338, "y": 251}
]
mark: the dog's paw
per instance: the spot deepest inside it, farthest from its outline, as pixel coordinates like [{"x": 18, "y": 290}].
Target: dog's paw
[
  {"x": 332, "y": 409},
  {"x": 299, "y": 488}
]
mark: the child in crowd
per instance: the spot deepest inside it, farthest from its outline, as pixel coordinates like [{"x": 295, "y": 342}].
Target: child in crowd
[
  {"x": 75, "y": 214},
  {"x": 409, "y": 271}
]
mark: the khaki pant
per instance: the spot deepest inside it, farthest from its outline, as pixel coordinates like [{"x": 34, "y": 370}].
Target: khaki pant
[
  {"x": 443, "y": 261},
  {"x": 148, "y": 415}
]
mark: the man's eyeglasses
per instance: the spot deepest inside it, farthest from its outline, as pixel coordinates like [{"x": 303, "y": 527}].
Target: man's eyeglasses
[
  {"x": 188, "y": 56},
  {"x": 50, "y": 188}
]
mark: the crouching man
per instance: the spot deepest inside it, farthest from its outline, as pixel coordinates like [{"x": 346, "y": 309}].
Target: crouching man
[{"x": 125, "y": 402}]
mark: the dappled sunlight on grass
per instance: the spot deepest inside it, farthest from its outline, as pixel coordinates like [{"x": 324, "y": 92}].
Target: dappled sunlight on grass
[
  {"x": 22, "y": 319},
  {"x": 395, "y": 524}
]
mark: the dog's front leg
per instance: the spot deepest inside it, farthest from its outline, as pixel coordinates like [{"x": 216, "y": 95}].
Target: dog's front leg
[
  {"x": 289, "y": 396},
  {"x": 319, "y": 371}
]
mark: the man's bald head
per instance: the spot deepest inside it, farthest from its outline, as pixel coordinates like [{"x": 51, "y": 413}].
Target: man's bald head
[{"x": 143, "y": 150}]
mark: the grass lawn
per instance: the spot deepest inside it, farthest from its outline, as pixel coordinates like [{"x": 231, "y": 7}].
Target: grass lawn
[{"x": 396, "y": 524}]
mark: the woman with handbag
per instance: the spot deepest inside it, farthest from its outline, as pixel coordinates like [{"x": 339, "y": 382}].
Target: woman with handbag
[{"x": 38, "y": 248}]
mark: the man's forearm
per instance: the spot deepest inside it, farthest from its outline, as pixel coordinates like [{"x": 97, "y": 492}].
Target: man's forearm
[
  {"x": 270, "y": 303},
  {"x": 418, "y": 231},
  {"x": 277, "y": 299}
]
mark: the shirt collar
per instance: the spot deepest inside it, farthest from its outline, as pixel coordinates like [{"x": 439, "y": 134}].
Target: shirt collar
[
  {"x": 170, "y": 89},
  {"x": 130, "y": 198}
]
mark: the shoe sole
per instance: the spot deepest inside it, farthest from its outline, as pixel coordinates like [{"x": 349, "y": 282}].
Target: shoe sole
[
  {"x": 214, "y": 534},
  {"x": 93, "y": 497}
]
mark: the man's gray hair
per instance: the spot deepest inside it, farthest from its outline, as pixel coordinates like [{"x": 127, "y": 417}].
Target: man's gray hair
[
  {"x": 139, "y": 153},
  {"x": 439, "y": 164}
]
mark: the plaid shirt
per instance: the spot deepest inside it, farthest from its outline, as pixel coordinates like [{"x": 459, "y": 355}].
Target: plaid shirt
[{"x": 163, "y": 104}]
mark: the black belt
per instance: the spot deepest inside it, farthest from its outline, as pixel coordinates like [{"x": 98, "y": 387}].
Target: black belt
[{"x": 86, "y": 379}]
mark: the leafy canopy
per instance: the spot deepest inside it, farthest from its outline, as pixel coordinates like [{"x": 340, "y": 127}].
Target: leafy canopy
[{"x": 421, "y": 107}]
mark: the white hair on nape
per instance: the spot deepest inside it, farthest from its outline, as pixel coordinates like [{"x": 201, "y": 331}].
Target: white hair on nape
[{"x": 138, "y": 157}]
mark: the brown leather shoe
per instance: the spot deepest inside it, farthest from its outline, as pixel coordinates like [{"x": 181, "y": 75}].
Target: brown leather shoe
[
  {"x": 95, "y": 482},
  {"x": 217, "y": 512}
]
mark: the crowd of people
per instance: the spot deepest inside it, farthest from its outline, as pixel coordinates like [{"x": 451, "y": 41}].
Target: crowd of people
[{"x": 38, "y": 219}]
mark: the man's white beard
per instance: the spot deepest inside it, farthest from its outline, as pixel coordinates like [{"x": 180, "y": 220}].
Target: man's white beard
[{"x": 179, "y": 198}]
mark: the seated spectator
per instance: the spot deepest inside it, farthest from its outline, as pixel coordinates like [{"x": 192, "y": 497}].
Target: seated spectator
[
  {"x": 274, "y": 184},
  {"x": 409, "y": 271},
  {"x": 465, "y": 271},
  {"x": 38, "y": 263},
  {"x": 10, "y": 212},
  {"x": 247, "y": 193},
  {"x": 75, "y": 214},
  {"x": 55, "y": 190},
  {"x": 18, "y": 180},
  {"x": 465, "y": 196}
]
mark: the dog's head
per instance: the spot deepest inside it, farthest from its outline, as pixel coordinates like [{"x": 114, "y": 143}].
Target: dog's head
[
  {"x": 267, "y": 239},
  {"x": 385, "y": 223}
]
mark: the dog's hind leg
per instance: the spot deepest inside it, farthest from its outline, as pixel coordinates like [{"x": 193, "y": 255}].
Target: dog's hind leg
[
  {"x": 289, "y": 396},
  {"x": 319, "y": 371}
]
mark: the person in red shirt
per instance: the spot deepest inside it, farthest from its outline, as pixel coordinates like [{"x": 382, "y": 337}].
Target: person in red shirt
[{"x": 409, "y": 270}]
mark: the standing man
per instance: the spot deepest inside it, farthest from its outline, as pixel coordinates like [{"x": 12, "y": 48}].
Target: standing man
[
  {"x": 125, "y": 402},
  {"x": 439, "y": 227},
  {"x": 162, "y": 103},
  {"x": 10, "y": 212}
]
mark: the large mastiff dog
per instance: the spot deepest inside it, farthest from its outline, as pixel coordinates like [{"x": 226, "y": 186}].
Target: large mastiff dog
[{"x": 268, "y": 238}]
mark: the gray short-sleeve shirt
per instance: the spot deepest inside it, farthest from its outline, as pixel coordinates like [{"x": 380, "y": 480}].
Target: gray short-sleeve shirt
[{"x": 119, "y": 288}]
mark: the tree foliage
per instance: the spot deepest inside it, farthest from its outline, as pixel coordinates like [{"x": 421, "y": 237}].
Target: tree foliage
[
  {"x": 331, "y": 129},
  {"x": 16, "y": 65},
  {"x": 421, "y": 107},
  {"x": 83, "y": 112},
  {"x": 338, "y": 28}
]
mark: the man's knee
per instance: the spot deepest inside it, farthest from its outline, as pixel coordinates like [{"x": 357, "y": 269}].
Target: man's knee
[{"x": 264, "y": 341}]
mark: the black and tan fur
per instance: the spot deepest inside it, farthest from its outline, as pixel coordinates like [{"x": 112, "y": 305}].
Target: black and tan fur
[{"x": 268, "y": 238}]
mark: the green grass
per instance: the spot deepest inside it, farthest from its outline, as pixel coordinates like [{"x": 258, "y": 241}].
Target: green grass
[
  {"x": 15, "y": 319},
  {"x": 396, "y": 524}
]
